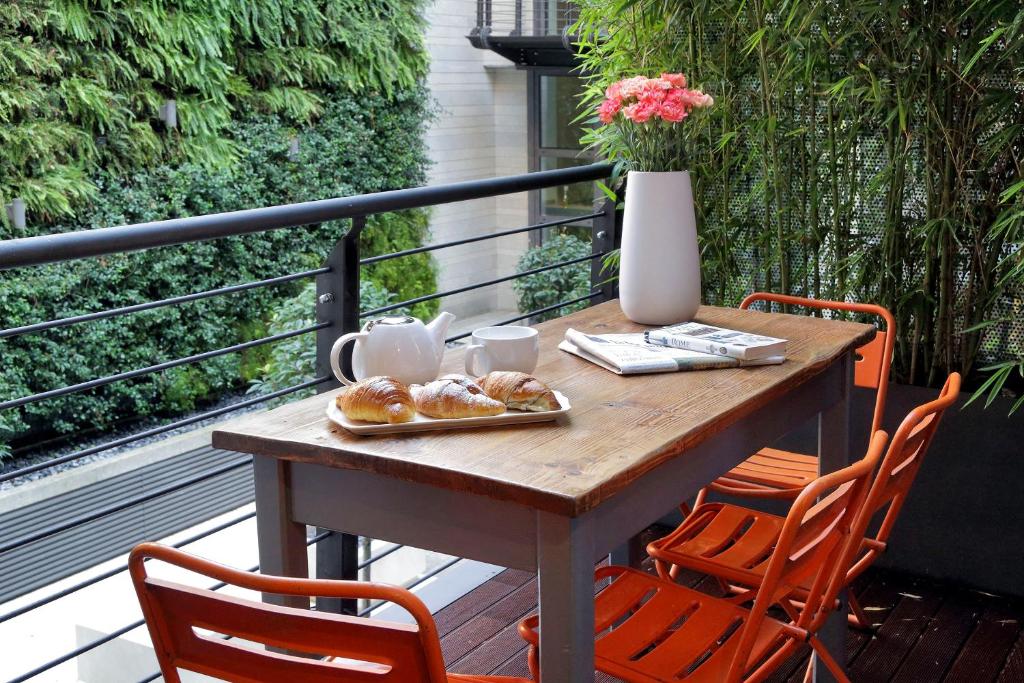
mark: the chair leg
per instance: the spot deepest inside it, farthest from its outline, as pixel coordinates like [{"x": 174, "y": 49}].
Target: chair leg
[
  {"x": 685, "y": 508},
  {"x": 858, "y": 618},
  {"x": 665, "y": 570},
  {"x": 826, "y": 658},
  {"x": 533, "y": 662},
  {"x": 809, "y": 672}
]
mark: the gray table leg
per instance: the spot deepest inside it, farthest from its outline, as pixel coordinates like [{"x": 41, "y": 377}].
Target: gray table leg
[
  {"x": 629, "y": 554},
  {"x": 834, "y": 454},
  {"x": 565, "y": 573},
  {"x": 282, "y": 541}
]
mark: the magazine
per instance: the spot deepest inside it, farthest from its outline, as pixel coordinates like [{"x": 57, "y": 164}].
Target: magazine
[
  {"x": 630, "y": 354},
  {"x": 718, "y": 341}
]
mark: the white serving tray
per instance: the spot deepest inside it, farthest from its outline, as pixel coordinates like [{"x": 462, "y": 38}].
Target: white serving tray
[{"x": 422, "y": 423}]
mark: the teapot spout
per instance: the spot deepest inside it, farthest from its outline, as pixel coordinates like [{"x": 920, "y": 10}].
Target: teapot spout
[{"x": 438, "y": 327}]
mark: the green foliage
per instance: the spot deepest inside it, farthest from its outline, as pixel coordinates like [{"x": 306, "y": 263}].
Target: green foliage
[
  {"x": 293, "y": 361},
  {"x": 548, "y": 288},
  {"x": 859, "y": 150},
  {"x": 368, "y": 144},
  {"x": 82, "y": 81}
]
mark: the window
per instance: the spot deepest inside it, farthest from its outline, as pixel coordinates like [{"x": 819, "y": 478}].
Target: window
[{"x": 555, "y": 143}]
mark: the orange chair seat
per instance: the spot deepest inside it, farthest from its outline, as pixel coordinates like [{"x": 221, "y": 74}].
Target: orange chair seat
[
  {"x": 771, "y": 468},
  {"x": 727, "y": 541},
  {"x": 667, "y": 631},
  {"x": 467, "y": 678}
]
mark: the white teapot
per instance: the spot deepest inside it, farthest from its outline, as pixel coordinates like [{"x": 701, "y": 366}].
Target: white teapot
[{"x": 398, "y": 346}]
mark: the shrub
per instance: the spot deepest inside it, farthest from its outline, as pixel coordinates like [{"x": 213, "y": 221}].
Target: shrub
[
  {"x": 559, "y": 284},
  {"x": 365, "y": 145}
]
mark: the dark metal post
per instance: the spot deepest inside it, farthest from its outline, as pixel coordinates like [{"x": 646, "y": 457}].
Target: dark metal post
[
  {"x": 518, "y": 31},
  {"x": 604, "y": 238},
  {"x": 337, "y": 303}
]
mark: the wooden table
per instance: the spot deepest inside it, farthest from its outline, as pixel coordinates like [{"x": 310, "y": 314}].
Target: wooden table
[{"x": 551, "y": 497}]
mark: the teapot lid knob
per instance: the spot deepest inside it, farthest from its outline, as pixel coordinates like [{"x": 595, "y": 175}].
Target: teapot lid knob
[{"x": 389, "y": 320}]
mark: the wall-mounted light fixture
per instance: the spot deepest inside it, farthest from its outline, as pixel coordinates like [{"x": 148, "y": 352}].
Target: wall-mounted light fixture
[
  {"x": 16, "y": 213},
  {"x": 169, "y": 114}
]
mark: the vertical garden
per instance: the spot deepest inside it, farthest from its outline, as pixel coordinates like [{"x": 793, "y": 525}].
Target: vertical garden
[
  {"x": 276, "y": 101},
  {"x": 857, "y": 150}
]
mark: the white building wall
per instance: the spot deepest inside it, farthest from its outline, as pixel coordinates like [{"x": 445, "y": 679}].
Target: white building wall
[{"x": 479, "y": 132}]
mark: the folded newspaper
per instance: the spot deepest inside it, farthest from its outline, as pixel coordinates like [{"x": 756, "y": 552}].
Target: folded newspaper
[
  {"x": 718, "y": 340},
  {"x": 630, "y": 354}
]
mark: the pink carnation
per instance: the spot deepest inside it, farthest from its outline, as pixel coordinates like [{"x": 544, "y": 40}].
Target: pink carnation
[
  {"x": 676, "y": 80},
  {"x": 674, "y": 109},
  {"x": 632, "y": 87},
  {"x": 643, "y": 110},
  {"x": 608, "y": 109},
  {"x": 640, "y": 99}
]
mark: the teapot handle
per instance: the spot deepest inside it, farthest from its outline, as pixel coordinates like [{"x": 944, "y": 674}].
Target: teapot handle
[{"x": 336, "y": 356}]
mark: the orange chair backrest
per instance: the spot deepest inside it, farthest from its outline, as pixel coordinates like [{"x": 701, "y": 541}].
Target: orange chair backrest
[
  {"x": 871, "y": 367},
  {"x": 814, "y": 542},
  {"x": 903, "y": 460},
  {"x": 368, "y": 649}
]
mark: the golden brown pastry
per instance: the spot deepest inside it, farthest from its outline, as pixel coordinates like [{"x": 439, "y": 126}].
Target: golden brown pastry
[
  {"x": 519, "y": 391},
  {"x": 377, "y": 399},
  {"x": 454, "y": 396}
]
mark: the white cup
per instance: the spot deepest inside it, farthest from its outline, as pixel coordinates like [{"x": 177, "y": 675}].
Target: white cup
[{"x": 509, "y": 347}]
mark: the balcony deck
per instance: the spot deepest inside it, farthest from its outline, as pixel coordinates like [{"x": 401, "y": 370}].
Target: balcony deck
[{"x": 926, "y": 631}]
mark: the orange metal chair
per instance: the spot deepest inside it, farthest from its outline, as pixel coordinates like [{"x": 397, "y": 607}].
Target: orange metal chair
[
  {"x": 358, "y": 650},
  {"x": 649, "y": 629},
  {"x": 777, "y": 474},
  {"x": 733, "y": 543}
]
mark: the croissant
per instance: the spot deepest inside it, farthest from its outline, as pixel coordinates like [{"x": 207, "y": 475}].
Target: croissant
[
  {"x": 454, "y": 396},
  {"x": 377, "y": 399},
  {"x": 519, "y": 391}
]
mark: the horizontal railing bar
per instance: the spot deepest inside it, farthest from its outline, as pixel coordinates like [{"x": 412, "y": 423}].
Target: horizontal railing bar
[
  {"x": 478, "y": 285},
  {"x": 28, "y": 251},
  {"x": 137, "y": 308},
  {"x": 78, "y": 455},
  {"x": 80, "y": 650},
  {"x": 131, "y": 374},
  {"x": 479, "y": 238},
  {"x": 420, "y": 579},
  {"x": 123, "y": 505},
  {"x": 538, "y": 311},
  {"x": 102, "y": 640},
  {"x": 42, "y": 602},
  {"x": 379, "y": 556}
]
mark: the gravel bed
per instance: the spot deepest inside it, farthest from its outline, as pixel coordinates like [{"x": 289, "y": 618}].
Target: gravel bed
[{"x": 141, "y": 426}]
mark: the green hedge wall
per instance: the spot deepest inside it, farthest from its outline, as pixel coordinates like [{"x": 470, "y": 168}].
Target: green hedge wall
[{"x": 81, "y": 82}]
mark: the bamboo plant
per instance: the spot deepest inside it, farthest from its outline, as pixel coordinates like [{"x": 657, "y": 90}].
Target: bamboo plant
[{"x": 858, "y": 150}]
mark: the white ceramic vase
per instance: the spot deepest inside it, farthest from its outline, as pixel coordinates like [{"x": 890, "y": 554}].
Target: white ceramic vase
[{"x": 659, "y": 270}]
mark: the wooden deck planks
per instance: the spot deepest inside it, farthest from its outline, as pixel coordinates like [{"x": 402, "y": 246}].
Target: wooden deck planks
[
  {"x": 926, "y": 632},
  {"x": 984, "y": 654}
]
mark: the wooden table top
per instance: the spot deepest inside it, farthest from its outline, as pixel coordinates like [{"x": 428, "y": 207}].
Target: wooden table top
[{"x": 619, "y": 427}]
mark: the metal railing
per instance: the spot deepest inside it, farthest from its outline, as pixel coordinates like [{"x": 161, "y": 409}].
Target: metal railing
[
  {"x": 337, "y": 312},
  {"x": 537, "y": 18}
]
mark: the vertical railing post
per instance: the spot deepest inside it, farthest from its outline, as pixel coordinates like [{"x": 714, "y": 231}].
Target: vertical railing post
[
  {"x": 604, "y": 238},
  {"x": 337, "y": 303},
  {"x": 518, "y": 30}
]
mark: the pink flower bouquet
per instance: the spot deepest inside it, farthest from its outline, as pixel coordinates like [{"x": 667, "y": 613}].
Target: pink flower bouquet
[{"x": 644, "y": 112}]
